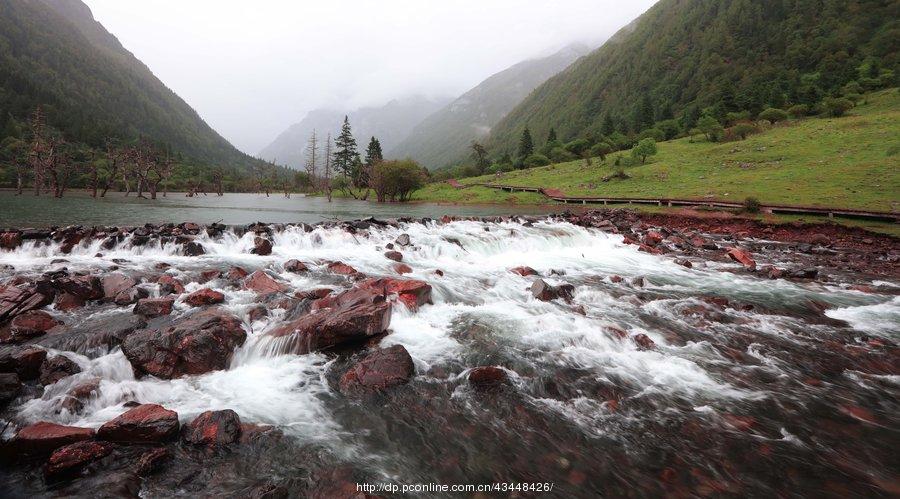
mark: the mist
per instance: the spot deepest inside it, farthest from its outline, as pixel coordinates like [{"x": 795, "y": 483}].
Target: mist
[{"x": 251, "y": 69}]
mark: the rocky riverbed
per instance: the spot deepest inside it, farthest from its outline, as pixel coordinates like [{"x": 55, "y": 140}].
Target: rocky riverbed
[{"x": 605, "y": 353}]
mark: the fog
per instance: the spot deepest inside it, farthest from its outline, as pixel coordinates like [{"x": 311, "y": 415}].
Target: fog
[{"x": 253, "y": 68}]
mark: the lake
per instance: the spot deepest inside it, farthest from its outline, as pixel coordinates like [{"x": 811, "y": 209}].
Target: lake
[{"x": 77, "y": 208}]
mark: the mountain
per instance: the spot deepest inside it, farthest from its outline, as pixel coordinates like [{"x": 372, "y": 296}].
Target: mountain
[
  {"x": 55, "y": 55},
  {"x": 390, "y": 123},
  {"x": 732, "y": 54},
  {"x": 445, "y": 136}
]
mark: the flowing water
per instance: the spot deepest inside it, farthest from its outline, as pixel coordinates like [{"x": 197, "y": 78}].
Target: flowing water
[{"x": 777, "y": 399}]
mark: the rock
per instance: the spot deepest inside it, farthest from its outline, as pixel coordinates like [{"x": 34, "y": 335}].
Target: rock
[
  {"x": 131, "y": 296},
  {"x": 545, "y": 292},
  {"x": 394, "y": 255},
  {"x": 402, "y": 268},
  {"x": 653, "y": 238},
  {"x": 209, "y": 275},
  {"x": 341, "y": 268},
  {"x": 410, "y": 292},
  {"x": 743, "y": 257},
  {"x": 24, "y": 361},
  {"x": 31, "y": 324},
  {"x": 86, "y": 287},
  {"x": 616, "y": 279},
  {"x": 147, "y": 423},
  {"x": 152, "y": 460},
  {"x": 192, "y": 248},
  {"x": 402, "y": 240},
  {"x": 263, "y": 284},
  {"x": 214, "y": 428},
  {"x": 43, "y": 438},
  {"x": 10, "y": 240},
  {"x": 10, "y": 386},
  {"x": 261, "y": 247},
  {"x": 196, "y": 344},
  {"x": 204, "y": 297},
  {"x": 169, "y": 285},
  {"x": 114, "y": 284},
  {"x": 66, "y": 302},
  {"x": 378, "y": 371},
  {"x": 153, "y": 307},
  {"x": 73, "y": 458},
  {"x": 820, "y": 239},
  {"x": 236, "y": 274},
  {"x": 684, "y": 262},
  {"x": 350, "y": 316},
  {"x": 295, "y": 266},
  {"x": 57, "y": 368},
  {"x": 85, "y": 390},
  {"x": 15, "y": 300},
  {"x": 487, "y": 377},
  {"x": 256, "y": 313},
  {"x": 524, "y": 271},
  {"x": 643, "y": 341},
  {"x": 772, "y": 272}
]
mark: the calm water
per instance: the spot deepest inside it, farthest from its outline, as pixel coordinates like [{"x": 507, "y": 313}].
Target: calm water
[{"x": 80, "y": 209}]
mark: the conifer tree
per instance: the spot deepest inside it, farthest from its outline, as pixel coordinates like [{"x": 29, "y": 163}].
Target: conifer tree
[
  {"x": 526, "y": 145},
  {"x": 345, "y": 152},
  {"x": 373, "y": 152},
  {"x": 608, "y": 126},
  {"x": 551, "y": 137}
]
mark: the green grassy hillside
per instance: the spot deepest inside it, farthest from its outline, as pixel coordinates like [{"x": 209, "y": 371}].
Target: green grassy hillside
[{"x": 851, "y": 162}]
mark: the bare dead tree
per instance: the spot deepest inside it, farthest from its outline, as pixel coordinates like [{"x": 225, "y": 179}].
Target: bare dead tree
[
  {"x": 39, "y": 150},
  {"x": 115, "y": 160},
  {"x": 312, "y": 163},
  {"x": 218, "y": 175},
  {"x": 327, "y": 184}
]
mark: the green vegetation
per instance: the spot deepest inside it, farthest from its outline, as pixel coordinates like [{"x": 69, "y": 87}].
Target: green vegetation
[{"x": 847, "y": 162}]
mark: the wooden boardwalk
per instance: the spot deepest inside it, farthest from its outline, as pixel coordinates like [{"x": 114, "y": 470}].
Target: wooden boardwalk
[{"x": 559, "y": 196}]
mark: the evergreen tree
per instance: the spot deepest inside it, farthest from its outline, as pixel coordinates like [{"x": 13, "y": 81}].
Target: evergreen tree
[
  {"x": 645, "y": 115},
  {"x": 608, "y": 125},
  {"x": 373, "y": 152},
  {"x": 526, "y": 145},
  {"x": 551, "y": 137},
  {"x": 345, "y": 152}
]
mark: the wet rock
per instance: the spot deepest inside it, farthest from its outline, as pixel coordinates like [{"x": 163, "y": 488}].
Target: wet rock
[
  {"x": 256, "y": 313},
  {"x": 261, "y": 246},
  {"x": 639, "y": 282},
  {"x": 72, "y": 458},
  {"x": 643, "y": 341},
  {"x": 169, "y": 285},
  {"x": 341, "y": 268},
  {"x": 653, "y": 238},
  {"x": 402, "y": 240},
  {"x": 772, "y": 272},
  {"x": 147, "y": 423},
  {"x": 31, "y": 324},
  {"x": 153, "y": 307},
  {"x": 192, "y": 248},
  {"x": 413, "y": 293},
  {"x": 820, "y": 239},
  {"x": 743, "y": 257},
  {"x": 394, "y": 255},
  {"x": 486, "y": 377},
  {"x": 209, "y": 275},
  {"x": 10, "y": 386},
  {"x": 131, "y": 296},
  {"x": 196, "y": 344},
  {"x": 18, "y": 300},
  {"x": 807, "y": 273},
  {"x": 378, "y": 371},
  {"x": 295, "y": 266},
  {"x": 236, "y": 274},
  {"x": 152, "y": 460},
  {"x": 263, "y": 284},
  {"x": 66, "y": 302},
  {"x": 24, "y": 361},
  {"x": 86, "y": 287},
  {"x": 524, "y": 271},
  {"x": 402, "y": 268},
  {"x": 545, "y": 292},
  {"x": 684, "y": 262},
  {"x": 43, "y": 438},
  {"x": 213, "y": 428},
  {"x": 204, "y": 297},
  {"x": 10, "y": 240},
  {"x": 57, "y": 368},
  {"x": 114, "y": 284},
  {"x": 86, "y": 389}
]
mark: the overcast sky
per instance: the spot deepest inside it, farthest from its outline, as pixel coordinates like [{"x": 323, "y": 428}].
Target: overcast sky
[{"x": 252, "y": 68}]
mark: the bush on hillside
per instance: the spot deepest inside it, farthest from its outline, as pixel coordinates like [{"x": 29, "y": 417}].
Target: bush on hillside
[
  {"x": 652, "y": 133},
  {"x": 601, "y": 150},
  {"x": 560, "y": 155},
  {"x": 752, "y": 205},
  {"x": 798, "y": 111},
  {"x": 396, "y": 180},
  {"x": 773, "y": 115},
  {"x": 669, "y": 128},
  {"x": 644, "y": 149},
  {"x": 742, "y": 130},
  {"x": 578, "y": 146},
  {"x": 836, "y": 107},
  {"x": 710, "y": 127},
  {"x": 536, "y": 160}
]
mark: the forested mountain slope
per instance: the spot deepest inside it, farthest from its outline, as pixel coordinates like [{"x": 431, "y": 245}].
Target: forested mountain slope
[{"x": 682, "y": 56}]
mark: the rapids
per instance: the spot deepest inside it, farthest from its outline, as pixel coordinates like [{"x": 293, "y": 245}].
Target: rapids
[{"x": 755, "y": 398}]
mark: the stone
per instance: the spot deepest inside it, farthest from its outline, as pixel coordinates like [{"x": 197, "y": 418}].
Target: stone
[
  {"x": 295, "y": 266},
  {"x": 18, "y": 300},
  {"x": 524, "y": 271},
  {"x": 31, "y": 324},
  {"x": 24, "y": 361},
  {"x": 66, "y": 302},
  {"x": 192, "y": 248},
  {"x": 10, "y": 240},
  {"x": 545, "y": 292},
  {"x": 57, "y": 368},
  {"x": 378, "y": 371},
  {"x": 394, "y": 255},
  {"x": 214, "y": 428},
  {"x": 116, "y": 283},
  {"x": 86, "y": 287},
  {"x": 402, "y": 268},
  {"x": 743, "y": 257},
  {"x": 169, "y": 285},
  {"x": 153, "y": 307},
  {"x": 643, "y": 341},
  {"x": 403, "y": 240},
  {"x": 204, "y": 297},
  {"x": 43, "y": 438},
  {"x": 131, "y": 296},
  {"x": 261, "y": 247},
  {"x": 146, "y": 423},
  {"x": 10, "y": 386},
  {"x": 152, "y": 460},
  {"x": 263, "y": 284},
  {"x": 653, "y": 238},
  {"x": 412, "y": 293},
  {"x": 341, "y": 268},
  {"x": 73, "y": 458},
  {"x": 236, "y": 274},
  {"x": 196, "y": 344},
  {"x": 486, "y": 377}
]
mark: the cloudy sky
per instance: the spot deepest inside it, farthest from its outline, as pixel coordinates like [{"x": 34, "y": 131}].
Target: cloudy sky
[{"x": 252, "y": 68}]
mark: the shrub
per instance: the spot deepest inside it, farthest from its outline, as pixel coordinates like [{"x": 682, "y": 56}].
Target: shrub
[
  {"x": 536, "y": 160},
  {"x": 773, "y": 115},
  {"x": 652, "y": 133},
  {"x": 742, "y": 130},
  {"x": 560, "y": 155},
  {"x": 601, "y": 150},
  {"x": 752, "y": 205},
  {"x": 644, "y": 148},
  {"x": 396, "y": 180},
  {"x": 836, "y": 107},
  {"x": 578, "y": 146},
  {"x": 732, "y": 118},
  {"x": 710, "y": 127},
  {"x": 669, "y": 128},
  {"x": 798, "y": 111}
]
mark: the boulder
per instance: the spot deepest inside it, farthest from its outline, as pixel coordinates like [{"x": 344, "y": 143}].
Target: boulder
[
  {"x": 214, "y": 428},
  {"x": 524, "y": 271},
  {"x": 153, "y": 307},
  {"x": 653, "y": 238},
  {"x": 31, "y": 324},
  {"x": 236, "y": 274},
  {"x": 403, "y": 240},
  {"x": 24, "y": 361},
  {"x": 196, "y": 344},
  {"x": 378, "y": 371},
  {"x": 66, "y": 302},
  {"x": 545, "y": 292},
  {"x": 57, "y": 368},
  {"x": 192, "y": 248},
  {"x": 643, "y": 341},
  {"x": 131, "y": 296},
  {"x": 18, "y": 300},
  {"x": 413, "y": 293},
  {"x": 487, "y": 377},
  {"x": 152, "y": 460},
  {"x": 10, "y": 240},
  {"x": 116, "y": 283},
  {"x": 295, "y": 266},
  {"x": 147, "y": 423},
  {"x": 169, "y": 285},
  {"x": 10, "y": 386},
  {"x": 341, "y": 268},
  {"x": 263, "y": 284},
  {"x": 204, "y": 297},
  {"x": 86, "y": 287},
  {"x": 743, "y": 257},
  {"x": 43, "y": 438},
  {"x": 72, "y": 458},
  {"x": 261, "y": 247},
  {"x": 402, "y": 268},
  {"x": 209, "y": 275},
  {"x": 394, "y": 255}
]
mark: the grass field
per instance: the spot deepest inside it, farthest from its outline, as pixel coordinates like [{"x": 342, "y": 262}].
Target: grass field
[{"x": 850, "y": 162}]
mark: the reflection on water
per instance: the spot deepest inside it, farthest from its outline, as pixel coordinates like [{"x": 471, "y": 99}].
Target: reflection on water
[{"x": 77, "y": 208}]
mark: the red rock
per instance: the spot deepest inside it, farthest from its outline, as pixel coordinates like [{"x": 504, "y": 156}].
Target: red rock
[
  {"x": 545, "y": 292},
  {"x": 43, "y": 438},
  {"x": 204, "y": 297},
  {"x": 15, "y": 300},
  {"x": 31, "y": 324},
  {"x": 643, "y": 341},
  {"x": 718, "y": 301},
  {"x": 261, "y": 247},
  {"x": 616, "y": 279},
  {"x": 66, "y": 302},
  {"x": 193, "y": 248},
  {"x": 741, "y": 423},
  {"x": 256, "y": 313},
  {"x": 196, "y": 344},
  {"x": 24, "y": 361},
  {"x": 263, "y": 284},
  {"x": 214, "y": 428},
  {"x": 341, "y": 268},
  {"x": 394, "y": 255},
  {"x": 236, "y": 274},
  {"x": 113, "y": 284},
  {"x": 413, "y": 293},
  {"x": 57, "y": 368},
  {"x": 152, "y": 460},
  {"x": 743, "y": 257},
  {"x": 295, "y": 266},
  {"x": 313, "y": 294},
  {"x": 653, "y": 238},
  {"x": 524, "y": 271},
  {"x": 170, "y": 285},
  {"x": 86, "y": 287},
  {"x": 74, "y": 457},
  {"x": 153, "y": 307},
  {"x": 10, "y": 240},
  {"x": 86, "y": 389},
  {"x": 131, "y": 296},
  {"x": 10, "y": 386},
  {"x": 378, "y": 371},
  {"x": 209, "y": 275},
  {"x": 617, "y": 332},
  {"x": 487, "y": 377},
  {"x": 402, "y": 268},
  {"x": 147, "y": 423}
]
